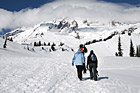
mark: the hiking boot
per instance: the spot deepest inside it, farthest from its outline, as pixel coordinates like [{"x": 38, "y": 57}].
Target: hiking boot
[
  {"x": 91, "y": 78},
  {"x": 80, "y": 79}
]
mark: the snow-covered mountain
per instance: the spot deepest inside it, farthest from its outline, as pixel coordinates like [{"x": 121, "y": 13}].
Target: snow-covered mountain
[{"x": 74, "y": 32}]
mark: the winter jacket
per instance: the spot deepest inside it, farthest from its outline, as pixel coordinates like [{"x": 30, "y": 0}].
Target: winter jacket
[
  {"x": 90, "y": 62},
  {"x": 78, "y": 58}
]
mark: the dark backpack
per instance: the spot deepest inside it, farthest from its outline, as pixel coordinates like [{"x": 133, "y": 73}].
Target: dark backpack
[{"x": 93, "y": 58}]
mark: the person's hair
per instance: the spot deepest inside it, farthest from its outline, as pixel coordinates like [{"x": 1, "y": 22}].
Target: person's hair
[
  {"x": 91, "y": 52},
  {"x": 81, "y": 46}
]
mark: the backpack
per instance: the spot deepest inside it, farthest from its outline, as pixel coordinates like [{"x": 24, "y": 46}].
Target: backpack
[{"x": 93, "y": 58}]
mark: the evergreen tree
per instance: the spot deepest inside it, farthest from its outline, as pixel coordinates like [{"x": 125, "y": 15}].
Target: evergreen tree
[
  {"x": 49, "y": 44},
  {"x": 138, "y": 51},
  {"x": 44, "y": 44},
  {"x": 53, "y": 44},
  {"x": 28, "y": 48},
  {"x": 42, "y": 33},
  {"x": 5, "y": 43},
  {"x": 132, "y": 51},
  {"x": 43, "y": 48},
  {"x": 39, "y": 44},
  {"x": 35, "y": 44},
  {"x": 61, "y": 44},
  {"x": 59, "y": 25},
  {"x": 120, "y": 53},
  {"x": 63, "y": 49},
  {"x": 116, "y": 54},
  {"x": 53, "y": 48},
  {"x": 11, "y": 39}
]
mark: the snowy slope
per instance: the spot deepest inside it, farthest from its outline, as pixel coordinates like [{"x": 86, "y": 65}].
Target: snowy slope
[
  {"x": 109, "y": 47},
  {"x": 14, "y": 49},
  {"x": 53, "y": 73},
  {"x": 41, "y": 71}
]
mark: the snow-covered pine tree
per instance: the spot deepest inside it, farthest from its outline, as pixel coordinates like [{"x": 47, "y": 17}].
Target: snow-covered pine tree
[
  {"x": 120, "y": 53},
  {"x": 132, "y": 51}
]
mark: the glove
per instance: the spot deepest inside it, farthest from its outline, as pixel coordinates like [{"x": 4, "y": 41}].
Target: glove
[
  {"x": 83, "y": 64},
  {"x": 72, "y": 64}
]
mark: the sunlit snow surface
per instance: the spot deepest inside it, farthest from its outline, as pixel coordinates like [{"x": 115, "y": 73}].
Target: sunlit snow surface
[{"x": 39, "y": 71}]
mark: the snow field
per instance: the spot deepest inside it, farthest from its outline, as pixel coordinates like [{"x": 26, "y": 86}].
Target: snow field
[{"x": 54, "y": 74}]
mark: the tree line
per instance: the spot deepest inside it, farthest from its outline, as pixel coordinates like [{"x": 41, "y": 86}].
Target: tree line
[{"x": 132, "y": 52}]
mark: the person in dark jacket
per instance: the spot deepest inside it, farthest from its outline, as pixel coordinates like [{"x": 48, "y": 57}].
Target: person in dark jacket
[
  {"x": 92, "y": 63},
  {"x": 79, "y": 60}
]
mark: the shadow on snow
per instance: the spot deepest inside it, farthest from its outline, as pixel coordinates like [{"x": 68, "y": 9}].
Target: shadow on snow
[{"x": 99, "y": 78}]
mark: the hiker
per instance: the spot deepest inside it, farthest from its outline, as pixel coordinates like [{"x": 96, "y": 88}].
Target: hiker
[
  {"x": 84, "y": 51},
  {"x": 92, "y": 63},
  {"x": 79, "y": 59}
]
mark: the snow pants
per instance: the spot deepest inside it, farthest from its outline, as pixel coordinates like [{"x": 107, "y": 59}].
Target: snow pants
[
  {"x": 93, "y": 70},
  {"x": 79, "y": 71}
]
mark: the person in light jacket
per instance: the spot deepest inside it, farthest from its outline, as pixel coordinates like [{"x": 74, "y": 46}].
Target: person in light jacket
[{"x": 79, "y": 60}]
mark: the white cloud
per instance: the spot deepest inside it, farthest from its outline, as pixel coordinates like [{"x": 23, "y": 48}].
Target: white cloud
[{"x": 84, "y": 9}]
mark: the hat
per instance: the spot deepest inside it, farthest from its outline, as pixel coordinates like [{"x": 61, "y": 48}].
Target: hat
[
  {"x": 91, "y": 52},
  {"x": 81, "y": 46}
]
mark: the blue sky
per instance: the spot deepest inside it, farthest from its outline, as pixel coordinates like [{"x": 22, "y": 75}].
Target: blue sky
[{"x": 17, "y": 5}]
